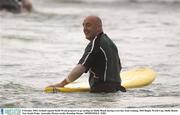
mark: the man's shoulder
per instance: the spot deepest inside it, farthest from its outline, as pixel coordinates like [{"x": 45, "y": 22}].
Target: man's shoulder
[
  {"x": 104, "y": 35},
  {"x": 105, "y": 39},
  {"x": 107, "y": 43}
]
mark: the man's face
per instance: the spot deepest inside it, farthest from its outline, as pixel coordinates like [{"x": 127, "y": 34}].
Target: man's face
[{"x": 90, "y": 28}]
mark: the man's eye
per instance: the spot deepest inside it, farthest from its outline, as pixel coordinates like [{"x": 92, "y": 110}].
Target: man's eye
[{"x": 88, "y": 25}]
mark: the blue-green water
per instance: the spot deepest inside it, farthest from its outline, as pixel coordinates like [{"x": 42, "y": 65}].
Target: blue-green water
[{"x": 41, "y": 48}]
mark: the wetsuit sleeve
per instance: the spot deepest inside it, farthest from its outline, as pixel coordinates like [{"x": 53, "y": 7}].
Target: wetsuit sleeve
[{"x": 88, "y": 57}]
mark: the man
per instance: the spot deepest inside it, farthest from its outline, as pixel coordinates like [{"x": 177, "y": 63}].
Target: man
[
  {"x": 100, "y": 58},
  {"x": 16, "y": 6}
]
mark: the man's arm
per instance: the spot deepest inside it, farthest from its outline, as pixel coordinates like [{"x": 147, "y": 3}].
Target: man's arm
[{"x": 77, "y": 71}]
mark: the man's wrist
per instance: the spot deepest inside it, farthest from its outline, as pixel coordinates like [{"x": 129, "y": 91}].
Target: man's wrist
[{"x": 67, "y": 80}]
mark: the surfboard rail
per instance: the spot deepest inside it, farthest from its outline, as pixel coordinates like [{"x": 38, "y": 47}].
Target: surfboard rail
[{"x": 134, "y": 78}]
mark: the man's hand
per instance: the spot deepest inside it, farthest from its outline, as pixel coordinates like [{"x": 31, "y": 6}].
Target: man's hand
[
  {"x": 77, "y": 71},
  {"x": 55, "y": 85},
  {"x": 61, "y": 84}
]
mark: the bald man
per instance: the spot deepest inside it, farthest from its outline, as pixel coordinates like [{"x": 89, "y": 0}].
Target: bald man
[{"x": 100, "y": 58}]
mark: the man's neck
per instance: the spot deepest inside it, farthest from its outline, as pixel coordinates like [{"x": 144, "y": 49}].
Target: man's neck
[{"x": 97, "y": 36}]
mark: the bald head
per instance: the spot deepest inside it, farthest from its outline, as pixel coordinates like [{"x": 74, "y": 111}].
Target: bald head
[
  {"x": 94, "y": 19},
  {"x": 92, "y": 27}
]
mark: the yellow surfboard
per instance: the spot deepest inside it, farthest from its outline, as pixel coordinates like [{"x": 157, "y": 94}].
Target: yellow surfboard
[{"x": 134, "y": 78}]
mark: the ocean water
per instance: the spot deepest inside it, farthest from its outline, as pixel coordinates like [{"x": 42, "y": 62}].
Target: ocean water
[{"x": 41, "y": 48}]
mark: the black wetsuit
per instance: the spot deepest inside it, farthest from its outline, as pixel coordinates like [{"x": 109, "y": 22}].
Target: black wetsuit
[
  {"x": 10, "y": 5},
  {"x": 102, "y": 61}
]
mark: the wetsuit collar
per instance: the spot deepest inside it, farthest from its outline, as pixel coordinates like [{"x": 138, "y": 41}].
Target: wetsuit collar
[{"x": 99, "y": 35}]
